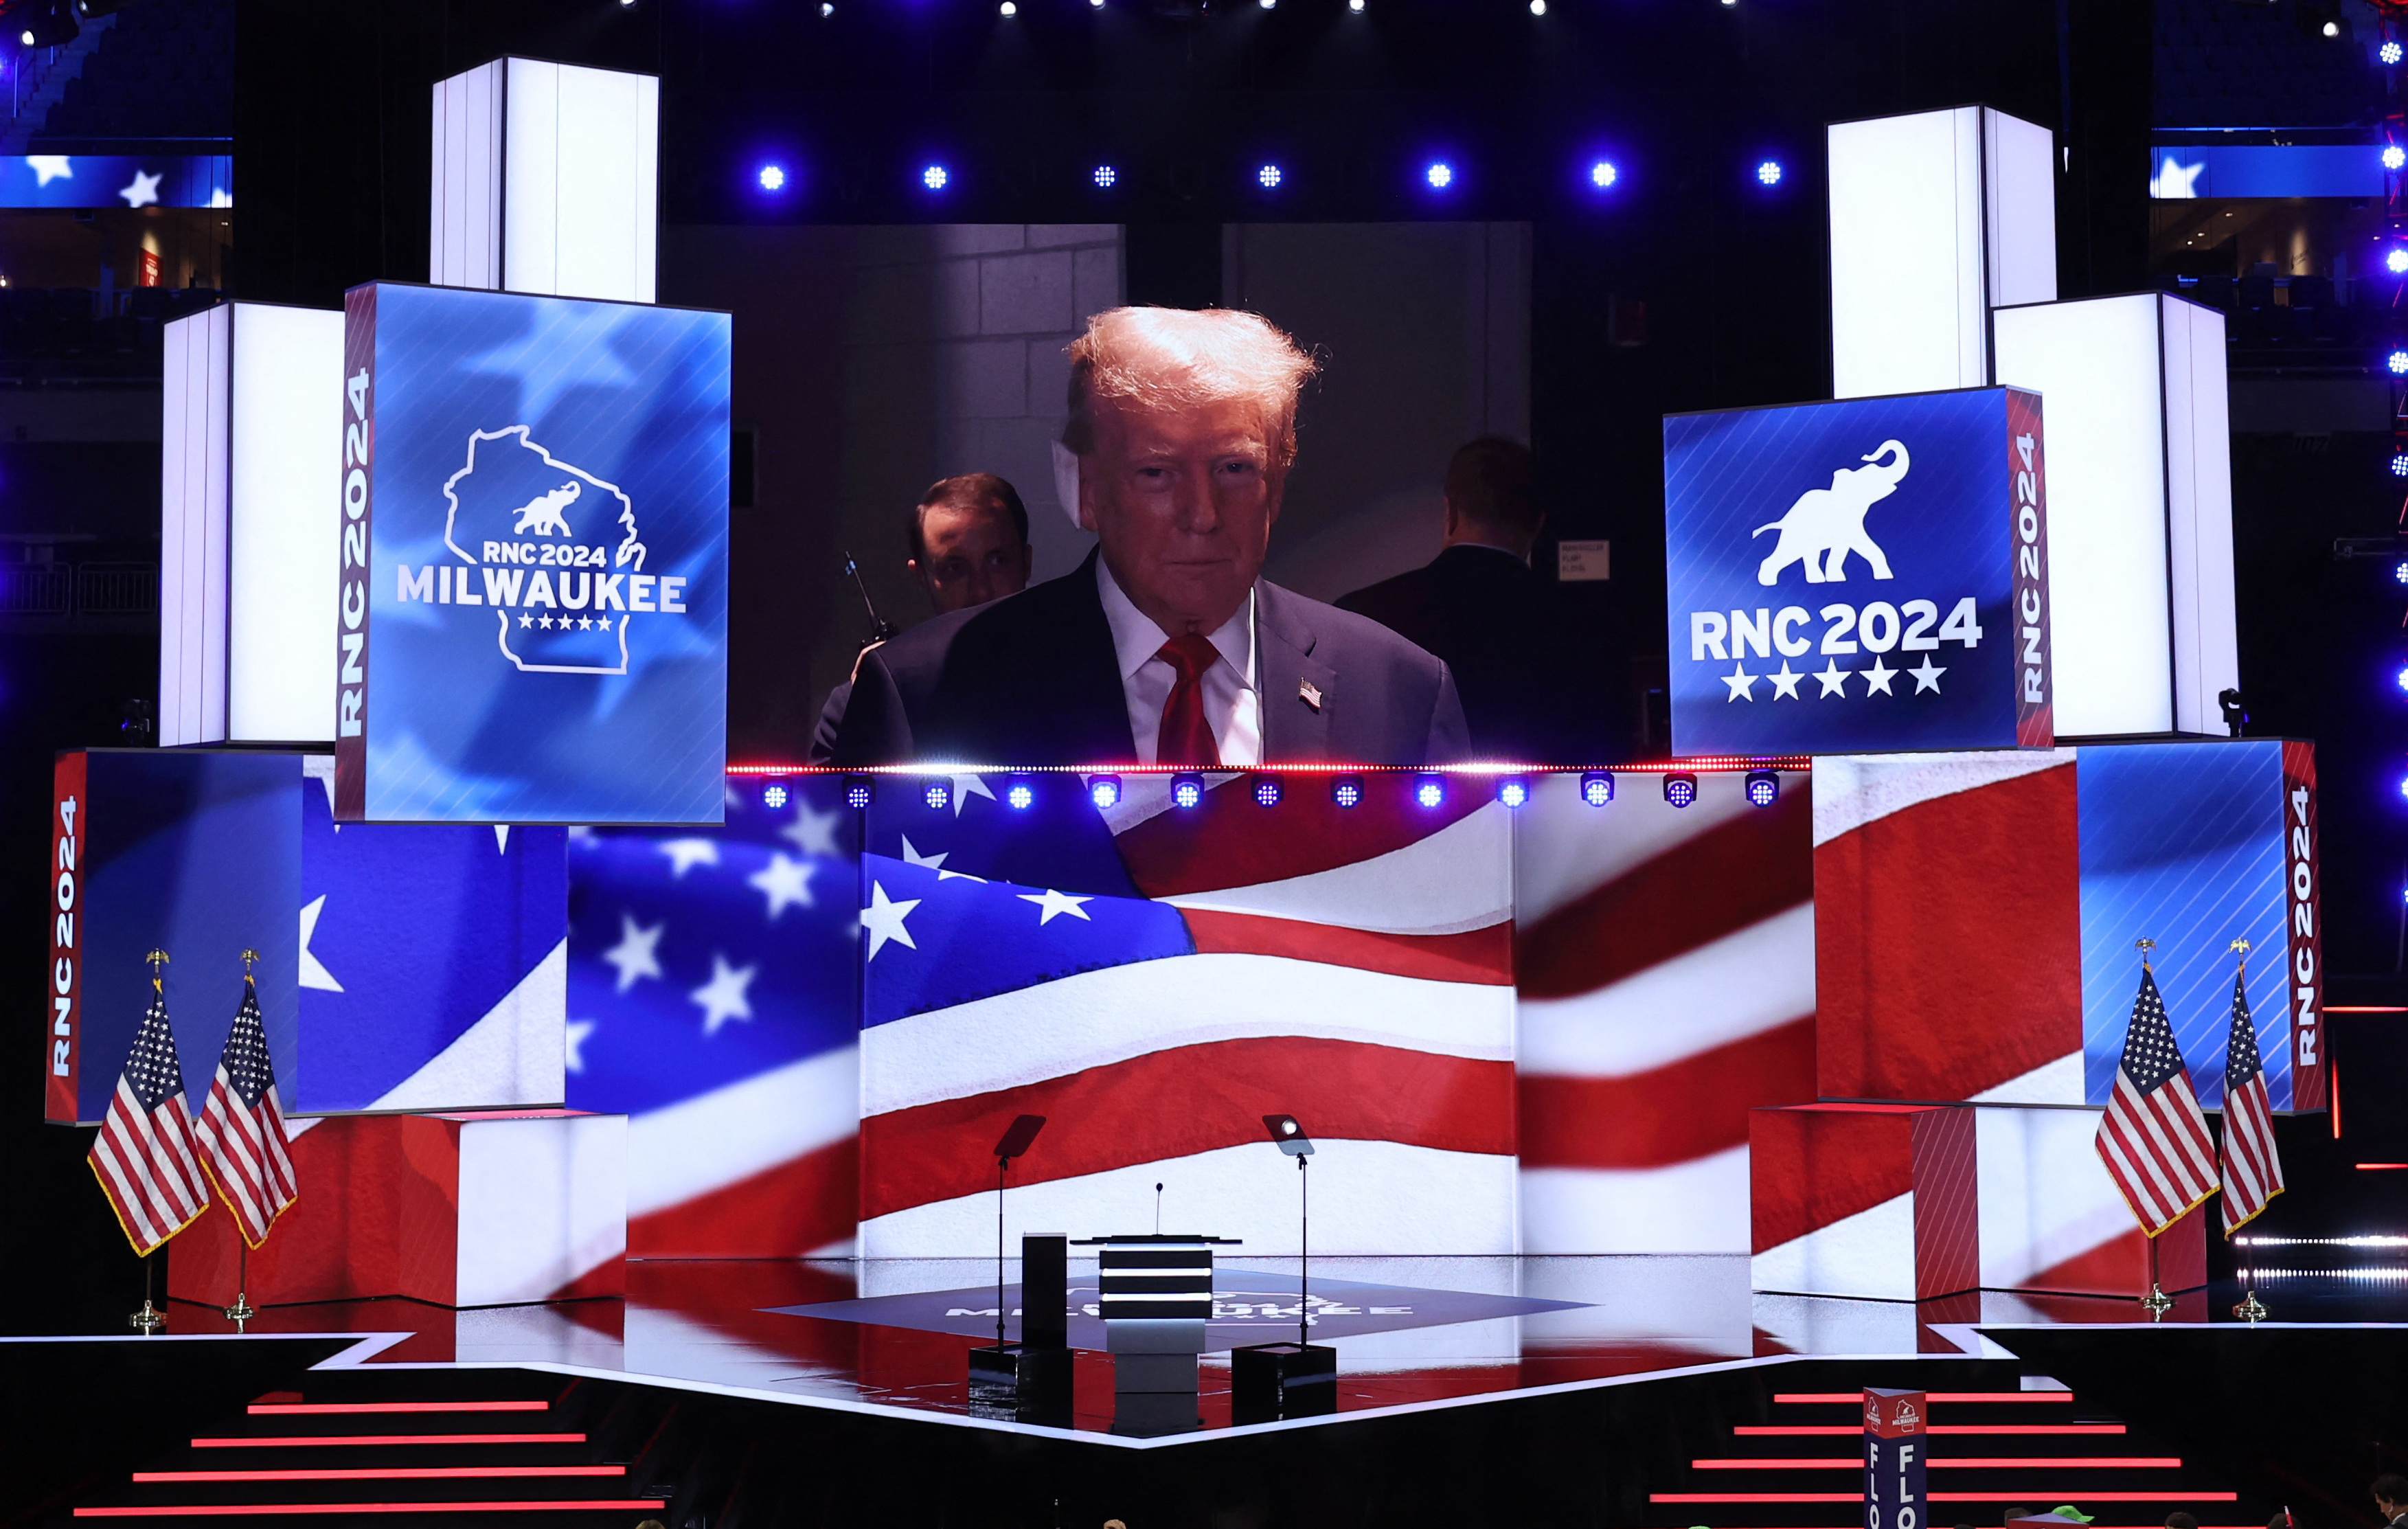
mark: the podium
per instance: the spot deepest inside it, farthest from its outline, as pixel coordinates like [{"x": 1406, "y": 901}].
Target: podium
[{"x": 1156, "y": 1292}]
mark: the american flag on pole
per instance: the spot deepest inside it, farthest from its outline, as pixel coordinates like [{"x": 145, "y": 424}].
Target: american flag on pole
[
  {"x": 145, "y": 1156},
  {"x": 2253, "y": 1172},
  {"x": 2154, "y": 1136},
  {"x": 1156, "y": 979},
  {"x": 241, "y": 1128}
]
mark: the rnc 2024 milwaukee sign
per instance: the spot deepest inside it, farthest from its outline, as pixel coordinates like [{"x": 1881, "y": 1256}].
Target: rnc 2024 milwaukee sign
[
  {"x": 534, "y": 610},
  {"x": 1862, "y": 576}
]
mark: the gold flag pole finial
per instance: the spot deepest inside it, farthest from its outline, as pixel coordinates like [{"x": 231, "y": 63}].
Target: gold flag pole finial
[
  {"x": 157, "y": 958},
  {"x": 2240, "y": 948},
  {"x": 247, "y": 958},
  {"x": 2144, "y": 947}
]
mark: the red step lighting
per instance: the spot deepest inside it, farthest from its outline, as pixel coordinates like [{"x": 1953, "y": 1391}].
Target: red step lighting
[
  {"x": 305, "y": 1441},
  {"x": 287, "y": 1408},
  {"x": 1856, "y": 1397},
  {"x": 2176, "y": 1496},
  {"x": 234, "y": 1510},
  {"x": 2003, "y": 1463},
  {"x": 387, "y": 1472},
  {"x": 1843, "y": 1430}
]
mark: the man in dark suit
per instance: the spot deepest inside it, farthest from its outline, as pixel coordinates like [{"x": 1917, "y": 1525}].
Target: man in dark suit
[
  {"x": 1165, "y": 645},
  {"x": 1499, "y": 627}
]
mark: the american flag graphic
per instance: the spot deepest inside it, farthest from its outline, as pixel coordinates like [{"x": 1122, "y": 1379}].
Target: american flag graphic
[
  {"x": 1154, "y": 980},
  {"x": 2154, "y": 1136},
  {"x": 2252, "y": 1171},
  {"x": 241, "y": 1128},
  {"x": 145, "y": 1156}
]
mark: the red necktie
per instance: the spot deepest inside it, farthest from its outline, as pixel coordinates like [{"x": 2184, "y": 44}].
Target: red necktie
[{"x": 1186, "y": 738}]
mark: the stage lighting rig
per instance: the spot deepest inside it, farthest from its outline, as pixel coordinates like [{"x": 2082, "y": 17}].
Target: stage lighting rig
[
  {"x": 1767, "y": 173},
  {"x": 1602, "y": 175},
  {"x": 935, "y": 177},
  {"x": 859, "y": 792},
  {"x": 1269, "y": 177},
  {"x": 937, "y": 794},
  {"x": 1763, "y": 788},
  {"x": 1513, "y": 791},
  {"x": 1597, "y": 788},
  {"x": 773, "y": 797},
  {"x": 1186, "y": 791},
  {"x": 1680, "y": 788},
  {"x": 1430, "y": 790},
  {"x": 1346, "y": 790},
  {"x": 1441, "y": 175},
  {"x": 1104, "y": 791},
  {"x": 2389, "y": 52},
  {"x": 1267, "y": 790},
  {"x": 1106, "y": 177},
  {"x": 1020, "y": 795}
]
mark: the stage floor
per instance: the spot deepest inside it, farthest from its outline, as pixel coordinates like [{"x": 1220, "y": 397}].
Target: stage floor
[{"x": 1411, "y": 1332}]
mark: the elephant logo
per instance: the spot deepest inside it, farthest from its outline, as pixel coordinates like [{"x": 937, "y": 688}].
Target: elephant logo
[{"x": 1825, "y": 525}]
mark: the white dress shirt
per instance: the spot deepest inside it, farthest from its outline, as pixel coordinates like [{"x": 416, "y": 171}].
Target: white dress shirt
[{"x": 1231, "y": 704}]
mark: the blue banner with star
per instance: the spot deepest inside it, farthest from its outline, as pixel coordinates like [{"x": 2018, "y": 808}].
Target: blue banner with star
[
  {"x": 1864, "y": 575},
  {"x": 116, "y": 180},
  {"x": 534, "y": 610}
]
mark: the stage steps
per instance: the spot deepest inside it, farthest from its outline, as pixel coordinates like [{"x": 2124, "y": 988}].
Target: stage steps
[
  {"x": 1991, "y": 1451},
  {"x": 436, "y": 1445}
]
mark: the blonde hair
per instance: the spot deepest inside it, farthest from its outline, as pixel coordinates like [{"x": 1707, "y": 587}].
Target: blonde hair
[{"x": 1169, "y": 358}]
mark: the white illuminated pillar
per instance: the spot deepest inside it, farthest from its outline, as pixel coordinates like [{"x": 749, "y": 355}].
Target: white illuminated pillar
[
  {"x": 1936, "y": 218},
  {"x": 250, "y": 495},
  {"x": 2140, "y": 506},
  {"x": 546, "y": 179}
]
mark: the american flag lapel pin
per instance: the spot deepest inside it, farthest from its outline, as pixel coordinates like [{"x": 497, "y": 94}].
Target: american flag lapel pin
[{"x": 1309, "y": 692}]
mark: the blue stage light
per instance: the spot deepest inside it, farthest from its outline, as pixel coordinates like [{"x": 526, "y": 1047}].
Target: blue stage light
[
  {"x": 2398, "y": 362},
  {"x": 1767, "y": 173},
  {"x": 2400, "y": 572},
  {"x": 2394, "y": 156},
  {"x": 2401, "y": 679},
  {"x": 1602, "y": 175},
  {"x": 1763, "y": 788},
  {"x": 1347, "y": 790},
  {"x": 2396, "y": 261},
  {"x": 2399, "y": 470},
  {"x": 858, "y": 792},
  {"x": 1106, "y": 177},
  {"x": 1009, "y": 8},
  {"x": 1186, "y": 791},
  {"x": 1430, "y": 790},
  {"x": 774, "y": 796},
  {"x": 1020, "y": 795},
  {"x": 1441, "y": 175},
  {"x": 1680, "y": 788},
  {"x": 2389, "y": 52},
  {"x": 937, "y": 794},
  {"x": 1597, "y": 788},
  {"x": 1267, "y": 790},
  {"x": 1104, "y": 791},
  {"x": 934, "y": 176},
  {"x": 1513, "y": 791},
  {"x": 1268, "y": 177},
  {"x": 2404, "y": 785},
  {"x": 773, "y": 177}
]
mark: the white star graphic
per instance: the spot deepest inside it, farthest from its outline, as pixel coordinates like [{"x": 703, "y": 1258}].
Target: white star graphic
[
  {"x": 1926, "y": 676},
  {"x": 1741, "y": 683},
  {"x": 1054, "y": 904},
  {"x": 812, "y": 833},
  {"x": 49, "y": 167},
  {"x": 1878, "y": 678},
  {"x": 141, "y": 192},
  {"x": 568, "y": 349},
  {"x": 501, "y": 838},
  {"x": 965, "y": 786},
  {"x": 685, "y": 854},
  {"x": 313, "y": 971},
  {"x": 526, "y": 620},
  {"x": 1785, "y": 682},
  {"x": 914, "y": 857},
  {"x": 1833, "y": 679},
  {"x": 544, "y": 621},
  {"x": 723, "y": 998},
  {"x": 2173, "y": 180},
  {"x": 884, "y": 918},
  {"x": 784, "y": 881},
  {"x": 635, "y": 954},
  {"x": 572, "y": 1042}
]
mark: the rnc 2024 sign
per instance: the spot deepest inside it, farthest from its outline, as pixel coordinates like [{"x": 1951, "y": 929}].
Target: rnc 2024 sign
[
  {"x": 534, "y": 609},
  {"x": 1862, "y": 576}
]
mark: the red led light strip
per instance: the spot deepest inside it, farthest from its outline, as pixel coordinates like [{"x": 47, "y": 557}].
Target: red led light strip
[
  {"x": 234, "y": 1510},
  {"x": 388, "y": 1472},
  {"x": 1842, "y": 1430},
  {"x": 1853, "y": 1397},
  {"x": 278, "y": 1409},
  {"x": 305, "y": 1441},
  {"x": 2001, "y": 1463},
  {"x": 1945, "y": 1496}
]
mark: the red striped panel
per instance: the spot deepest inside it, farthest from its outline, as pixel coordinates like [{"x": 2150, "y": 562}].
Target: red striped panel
[
  {"x": 784, "y": 1211},
  {"x": 320, "y": 1440},
  {"x": 1475, "y": 955},
  {"x": 1185, "y": 1100},
  {"x": 234, "y": 1510},
  {"x": 1738, "y": 873},
  {"x": 1231, "y": 840},
  {"x": 1810, "y": 1165},
  {"x": 1622, "y": 1122},
  {"x": 1947, "y": 1229}
]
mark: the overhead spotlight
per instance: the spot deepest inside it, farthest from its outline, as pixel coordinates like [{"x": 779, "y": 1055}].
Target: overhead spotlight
[
  {"x": 2404, "y": 785},
  {"x": 2400, "y": 574},
  {"x": 2330, "y": 29},
  {"x": 773, "y": 177},
  {"x": 774, "y": 796},
  {"x": 859, "y": 792},
  {"x": 828, "y": 7},
  {"x": 1602, "y": 175},
  {"x": 1104, "y": 791},
  {"x": 1767, "y": 173},
  {"x": 1347, "y": 790},
  {"x": 1680, "y": 788},
  {"x": 2394, "y": 156},
  {"x": 2400, "y": 679},
  {"x": 1020, "y": 795},
  {"x": 937, "y": 794},
  {"x": 1430, "y": 790},
  {"x": 1441, "y": 175},
  {"x": 1763, "y": 788},
  {"x": 1597, "y": 788},
  {"x": 934, "y": 176},
  {"x": 1267, "y": 5},
  {"x": 1268, "y": 177},
  {"x": 2396, "y": 261},
  {"x": 1513, "y": 791},
  {"x": 1537, "y": 7},
  {"x": 1186, "y": 791},
  {"x": 1106, "y": 177},
  {"x": 1267, "y": 790},
  {"x": 1008, "y": 8},
  {"x": 1729, "y": 4},
  {"x": 2398, "y": 362},
  {"x": 2399, "y": 470},
  {"x": 1355, "y": 6},
  {"x": 2389, "y": 52}
]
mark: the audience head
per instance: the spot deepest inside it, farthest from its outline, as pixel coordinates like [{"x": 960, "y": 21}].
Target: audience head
[
  {"x": 1184, "y": 426},
  {"x": 969, "y": 541},
  {"x": 2391, "y": 1495},
  {"x": 1489, "y": 496},
  {"x": 2181, "y": 1520}
]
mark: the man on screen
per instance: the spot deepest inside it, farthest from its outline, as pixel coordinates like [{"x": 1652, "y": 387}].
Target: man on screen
[{"x": 1165, "y": 646}]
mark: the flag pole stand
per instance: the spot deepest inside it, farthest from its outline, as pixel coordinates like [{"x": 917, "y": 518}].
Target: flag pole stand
[
  {"x": 2156, "y": 1303},
  {"x": 149, "y": 1319},
  {"x": 241, "y": 1311}
]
